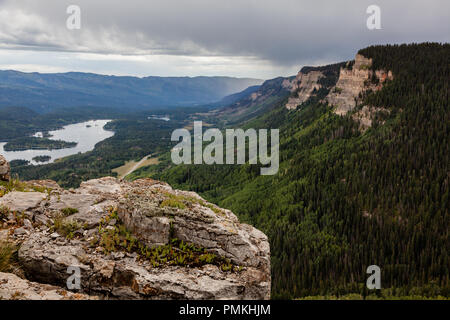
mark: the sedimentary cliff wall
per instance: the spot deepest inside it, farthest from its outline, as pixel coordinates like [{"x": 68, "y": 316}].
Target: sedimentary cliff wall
[
  {"x": 352, "y": 82},
  {"x": 302, "y": 87}
]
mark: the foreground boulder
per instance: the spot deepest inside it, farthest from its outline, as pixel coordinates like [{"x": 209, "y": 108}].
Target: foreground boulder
[
  {"x": 5, "y": 170},
  {"x": 152, "y": 211},
  {"x": 138, "y": 240}
]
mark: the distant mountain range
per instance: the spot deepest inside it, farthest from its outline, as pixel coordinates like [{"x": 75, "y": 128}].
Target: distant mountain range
[{"x": 46, "y": 92}]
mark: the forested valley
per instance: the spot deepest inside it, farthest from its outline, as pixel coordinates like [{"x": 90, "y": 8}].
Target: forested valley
[{"x": 343, "y": 198}]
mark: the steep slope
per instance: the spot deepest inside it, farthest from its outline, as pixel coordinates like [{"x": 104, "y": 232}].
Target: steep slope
[
  {"x": 346, "y": 198},
  {"x": 235, "y": 97},
  {"x": 268, "y": 96},
  {"x": 46, "y": 92}
]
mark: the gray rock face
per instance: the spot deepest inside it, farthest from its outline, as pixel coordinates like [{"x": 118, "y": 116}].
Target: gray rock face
[
  {"x": 46, "y": 260},
  {"x": 199, "y": 222},
  {"x": 154, "y": 213},
  {"x": 14, "y": 288},
  {"x": 5, "y": 170},
  {"x": 153, "y": 231},
  {"x": 22, "y": 201},
  {"x": 303, "y": 86}
]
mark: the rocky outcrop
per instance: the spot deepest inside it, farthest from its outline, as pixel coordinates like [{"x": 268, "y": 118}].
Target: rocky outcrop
[
  {"x": 87, "y": 227},
  {"x": 14, "y": 288},
  {"x": 366, "y": 115},
  {"x": 46, "y": 259},
  {"x": 353, "y": 81},
  {"x": 303, "y": 87},
  {"x": 203, "y": 224},
  {"x": 5, "y": 170},
  {"x": 22, "y": 201}
]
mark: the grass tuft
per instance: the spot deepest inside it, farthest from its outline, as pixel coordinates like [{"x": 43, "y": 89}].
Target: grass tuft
[
  {"x": 69, "y": 211},
  {"x": 65, "y": 228},
  {"x": 173, "y": 203},
  {"x": 8, "y": 256},
  {"x": 17, "y": 185}
]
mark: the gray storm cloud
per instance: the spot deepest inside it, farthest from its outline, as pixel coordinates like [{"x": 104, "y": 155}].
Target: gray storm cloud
[{"x": 282, "y": 32}]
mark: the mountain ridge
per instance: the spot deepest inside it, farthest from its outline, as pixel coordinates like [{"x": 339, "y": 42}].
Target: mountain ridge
[{"x": 45, "y": 92}]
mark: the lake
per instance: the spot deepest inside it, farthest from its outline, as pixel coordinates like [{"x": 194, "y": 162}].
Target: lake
[{"x": 87, "y": 134}]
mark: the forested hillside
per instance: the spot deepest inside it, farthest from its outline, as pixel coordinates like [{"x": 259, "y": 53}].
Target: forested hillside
[{"x": 345, "y": 198}]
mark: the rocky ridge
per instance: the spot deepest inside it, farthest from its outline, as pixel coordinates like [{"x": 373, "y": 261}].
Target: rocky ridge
[{"x": 130, "y": 240}]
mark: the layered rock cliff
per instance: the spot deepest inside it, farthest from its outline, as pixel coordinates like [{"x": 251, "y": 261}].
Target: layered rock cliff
[
  {"x": 303, "y": 87},
  {"x": 130, "y": 240},
  {"x": 312, "y": 83},
  {"x": 340, "y": 85},
  {"x": 354, "y": 80}
]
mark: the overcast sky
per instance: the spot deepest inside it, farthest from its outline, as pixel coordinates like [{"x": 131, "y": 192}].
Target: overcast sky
[{"x": 245, "y": 38}]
